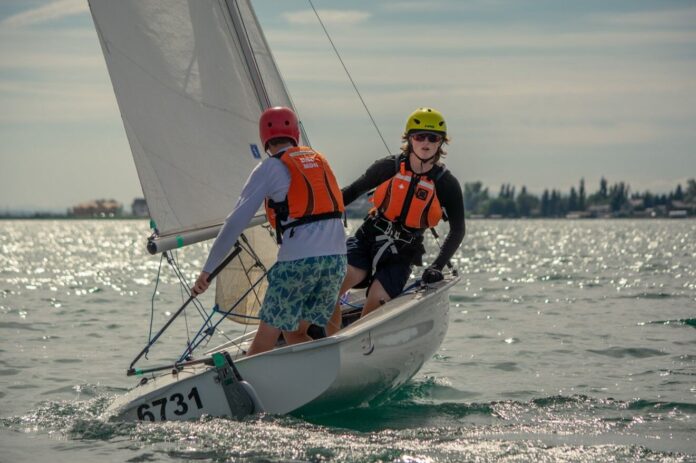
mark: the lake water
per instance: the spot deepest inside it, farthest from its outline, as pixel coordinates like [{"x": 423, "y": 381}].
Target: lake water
[{"x": 568, "y": 341}]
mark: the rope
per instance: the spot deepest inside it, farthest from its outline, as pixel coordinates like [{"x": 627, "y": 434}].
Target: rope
[
  {"x": 355, "y": 87},
  {"x": 344, "y": 301}
]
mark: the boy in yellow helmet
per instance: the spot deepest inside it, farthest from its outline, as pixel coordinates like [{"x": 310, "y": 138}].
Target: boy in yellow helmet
[{"x": 413, "y": 192}]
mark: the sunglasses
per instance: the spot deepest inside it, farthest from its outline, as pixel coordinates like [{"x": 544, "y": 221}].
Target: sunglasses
[{"x": 431, "y": 137}]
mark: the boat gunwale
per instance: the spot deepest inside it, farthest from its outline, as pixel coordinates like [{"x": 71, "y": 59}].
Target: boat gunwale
[{"x": 355, "y": 329}]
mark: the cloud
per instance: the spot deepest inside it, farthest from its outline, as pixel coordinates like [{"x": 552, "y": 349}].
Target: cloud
[
  {"x": 584, "y": 134},
  {"x": 50, "y": 62},
  {"x": 519, "y": 41},
  {"x": 43, "y": 104},
  {"x": 51, "y": 12},
  {"x": 671, "y": 18},
  {"x": 446, "y": 6},
  {"x": 334, "y": 17}
]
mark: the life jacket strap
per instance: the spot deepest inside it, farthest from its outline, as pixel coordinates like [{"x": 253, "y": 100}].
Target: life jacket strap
[
  {"x": 280, "y": 229},
  {"x": 282, "y": 211}
]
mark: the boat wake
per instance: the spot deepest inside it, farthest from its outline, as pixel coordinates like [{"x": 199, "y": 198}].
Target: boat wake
[{"x": 412, "y": 424}]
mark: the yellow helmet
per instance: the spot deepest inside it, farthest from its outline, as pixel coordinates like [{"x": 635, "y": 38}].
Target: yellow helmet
[{"x": 426, "y": 119}]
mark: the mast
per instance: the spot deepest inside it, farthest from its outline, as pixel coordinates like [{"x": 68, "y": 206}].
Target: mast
[
  {"x": 238, "y": 28},
  {"x": 234, "y": 7}
]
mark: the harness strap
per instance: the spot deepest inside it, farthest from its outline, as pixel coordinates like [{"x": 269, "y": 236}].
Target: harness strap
[
  {"x": 280, "y": 228},
  {"x": 393, "y": 229},
  {"x": 388, "y": 244}
]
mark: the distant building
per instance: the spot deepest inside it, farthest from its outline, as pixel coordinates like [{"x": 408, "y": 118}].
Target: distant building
[
  {"x": 578, "y": 215},
  {"x": 600, "y": 210},
  {"x": 688, "y": 206},
  {"x": 139, "y": 208},
  {"x": 637, "y": 204},
  {"x": 660, "y": 210},
  {"x": 98, "y": 208},
  {"x": 677, "y": 214}
]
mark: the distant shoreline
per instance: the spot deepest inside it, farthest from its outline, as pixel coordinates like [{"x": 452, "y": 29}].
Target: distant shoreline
[{"x": 66, "y": 217}]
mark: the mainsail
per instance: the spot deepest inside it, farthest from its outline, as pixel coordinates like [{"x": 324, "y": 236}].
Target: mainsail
[{"x": 191, "y": 78}]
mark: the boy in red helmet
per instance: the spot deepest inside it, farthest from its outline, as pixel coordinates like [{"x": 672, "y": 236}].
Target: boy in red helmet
[{"x": 304, "y": 204}]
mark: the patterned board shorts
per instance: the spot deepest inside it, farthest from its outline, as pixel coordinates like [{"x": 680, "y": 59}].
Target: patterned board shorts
[{"x": 303, "y": 289}]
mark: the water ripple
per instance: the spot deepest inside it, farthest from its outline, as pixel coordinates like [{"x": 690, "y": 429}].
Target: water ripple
[
  {"x": 414, "y": 431},
  {"x": 620, "y": 352},
  {"x": 573, "y": 343},
  {"x": 681, "y": 322}
]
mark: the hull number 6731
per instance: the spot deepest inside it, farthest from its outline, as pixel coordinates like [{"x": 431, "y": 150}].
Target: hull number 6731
[{"x": 157, "y": 409}]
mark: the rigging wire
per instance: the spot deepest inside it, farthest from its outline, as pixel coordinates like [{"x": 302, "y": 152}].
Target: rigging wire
[
  {"x": 355, "y": 87},
  {"x": 257, "y": 263},
  {"x": 247, "y": 271},
  {"x": 185, "y": 285},
  {"x": 172, "y": 260},
  {"x": 175, "y": 258},
  {"x": 152, "y": 301}
]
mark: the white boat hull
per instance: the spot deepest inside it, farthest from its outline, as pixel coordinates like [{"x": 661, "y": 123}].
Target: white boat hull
[{"x": 372, "y": 356}]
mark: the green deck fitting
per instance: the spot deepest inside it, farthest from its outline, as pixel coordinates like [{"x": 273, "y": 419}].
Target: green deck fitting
[
  {"x": 180, "y": 241},
  {"x": 138, "y": 372},
  {"x": 219, "y": 360},
  {"x": 153, "y": 225}
]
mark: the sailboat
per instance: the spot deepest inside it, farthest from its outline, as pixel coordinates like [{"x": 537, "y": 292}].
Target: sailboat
[{"x": 191, "y": 78}]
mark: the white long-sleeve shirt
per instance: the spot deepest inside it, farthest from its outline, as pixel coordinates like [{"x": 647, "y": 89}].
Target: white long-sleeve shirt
[{"x": 271, "y": 179}]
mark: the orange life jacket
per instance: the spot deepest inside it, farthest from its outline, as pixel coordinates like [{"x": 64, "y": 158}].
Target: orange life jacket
[
  {"x": 313, "y": 194},
  {"x": 409, "y": 198}
]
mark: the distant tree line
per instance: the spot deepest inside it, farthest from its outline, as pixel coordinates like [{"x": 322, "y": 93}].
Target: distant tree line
[{"x": 609, "y": 200}]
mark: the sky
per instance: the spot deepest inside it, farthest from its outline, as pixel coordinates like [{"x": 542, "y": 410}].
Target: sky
[{"x": 535, "y": 93}]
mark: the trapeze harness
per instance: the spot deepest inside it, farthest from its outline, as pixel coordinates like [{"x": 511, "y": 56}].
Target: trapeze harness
[
  {"x": 313, "y": 194},
  {"x": 405, "y": 206}
]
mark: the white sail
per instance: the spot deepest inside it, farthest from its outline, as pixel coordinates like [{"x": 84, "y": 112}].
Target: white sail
[{"x": 191, "y": 78}]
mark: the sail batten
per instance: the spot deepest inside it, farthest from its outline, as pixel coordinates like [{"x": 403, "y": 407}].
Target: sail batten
[{"x": 191, "y": 78}]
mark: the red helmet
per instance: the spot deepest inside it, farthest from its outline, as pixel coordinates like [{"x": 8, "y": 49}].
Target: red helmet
[{"x": 277, "y": 122}]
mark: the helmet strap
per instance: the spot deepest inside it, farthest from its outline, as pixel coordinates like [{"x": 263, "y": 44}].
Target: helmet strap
[{"x": 423, "y": 161}]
